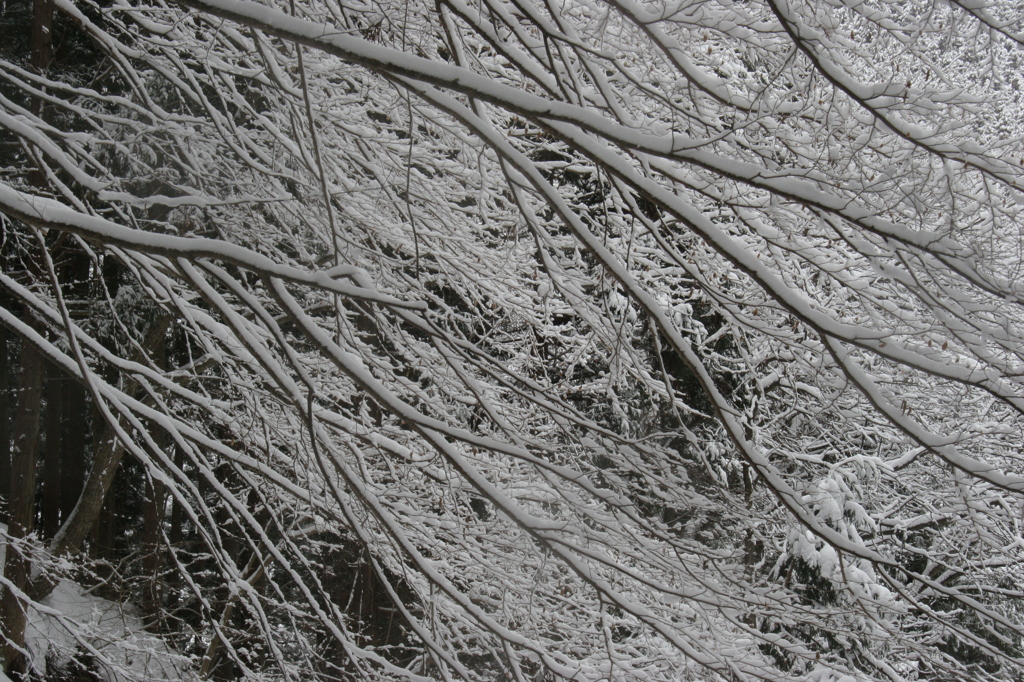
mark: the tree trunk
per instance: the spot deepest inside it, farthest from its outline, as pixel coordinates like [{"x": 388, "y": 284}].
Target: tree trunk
[
  {"x": 176, "y": 532},
  {"x": 151, "y": 523},
  {"x": 105, "y": 528},
  {"x": 95, "y": 498},
  {"x": 256, "y": 571},
  {"x": 53, "y": 448},
  {"x": 21, "y": 504},
  {"x": 106, "y": 460},
  {"x": 153, "y": 520},
  {"x": 42, "y": 53},
  {"x": 42, "y": 40},
  {"x": 5, "y": 413},
  {"x": 25, "y": 429},
  {"x": 72, "y": 465}
]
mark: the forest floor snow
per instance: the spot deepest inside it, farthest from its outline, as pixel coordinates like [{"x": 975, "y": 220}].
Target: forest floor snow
[{"x": 72, "y": 623}]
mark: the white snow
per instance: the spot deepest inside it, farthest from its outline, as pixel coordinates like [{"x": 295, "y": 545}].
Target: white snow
[
  {"x": 124, "y": 650},
  {"x": 70, "y": 620}
]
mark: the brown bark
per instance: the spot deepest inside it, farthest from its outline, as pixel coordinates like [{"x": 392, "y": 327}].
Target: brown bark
[{"x": 21, "y": 503}]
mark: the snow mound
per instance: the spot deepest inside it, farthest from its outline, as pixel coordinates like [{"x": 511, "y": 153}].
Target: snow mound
[{"x": 71, "y": 620}]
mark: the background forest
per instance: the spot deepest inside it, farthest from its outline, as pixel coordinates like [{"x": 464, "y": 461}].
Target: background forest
[{"x": 525, "y": 340}]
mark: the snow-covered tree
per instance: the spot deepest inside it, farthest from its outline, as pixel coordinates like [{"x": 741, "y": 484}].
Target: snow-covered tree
[{"x": 520, "y": 339}]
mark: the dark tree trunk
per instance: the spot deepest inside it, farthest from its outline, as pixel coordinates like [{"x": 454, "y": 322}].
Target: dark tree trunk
[
  {"x": 96, "y": 507},
  {"x": 177, "y": 514},
  {"x": 5, "y": 414},
  {"x": 42, "y": 53},
  {"x": 21, "y": 491},
  {"x": 64, "y": 420},
  {"x": 75, "y": 426},
  {"x": 54, "y": 382},
  {"x": 103, "y": 527},
  {"x": 42, "y": 30},
  {"x": 21, "y": 499},
  {"x": 152, "y": 520},
  {"x": 92, "y": 504},
  {"x": 21, "y": 503}
]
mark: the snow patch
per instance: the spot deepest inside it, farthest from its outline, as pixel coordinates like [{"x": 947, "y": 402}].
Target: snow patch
[{"x": 70, "y": 620}]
